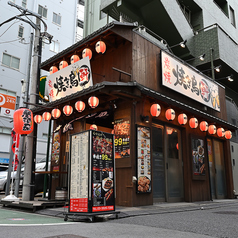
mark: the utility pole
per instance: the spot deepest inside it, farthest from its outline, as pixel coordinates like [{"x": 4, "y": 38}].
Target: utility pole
[
  {"x": 30, "y": 152},
  {"x": 30, "y": 156}
]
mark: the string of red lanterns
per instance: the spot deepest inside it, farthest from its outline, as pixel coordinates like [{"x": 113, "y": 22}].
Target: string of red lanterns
[
  {"x": 155, "y": 111},
  {"x": 100, "y": 48}
]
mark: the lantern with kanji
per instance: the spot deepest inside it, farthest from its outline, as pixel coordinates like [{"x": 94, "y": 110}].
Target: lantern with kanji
[
  {"x": 212, "y": 129},
  {"x": 220, "y": 132},
  {"x": 93, "y": 127},
  {"x": 203, "y": 126},
  {"x": 46, "y": 116},
  {"x": 228, "y": 135},
  {"x": 80, "y": 106},
  {"x": 87, "y": 53},
  {"x": 100, "y": 47},
  {"x": 23, "y": 121},
  {"x": 68, "y": 110},
  {"x": 93, "y": 102},
  {"x": 63, "y": 64},
  {"x": 170, "y": 114},
  {"x": 74, "y": 58},
  {"x": 37, "y": 119},
  {"x": 193, "y": 123},
  {"x": 53, "y": 69},
  {"x": 182, "y": 119},
  {"x": 155, "y": 110},
  {"x": 56, "y": 113}
]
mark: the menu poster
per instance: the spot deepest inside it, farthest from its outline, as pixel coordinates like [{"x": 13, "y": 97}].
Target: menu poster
[
  {"x": 198, "y": 157},
  {"x": 55, "y": 152},
  {"x": 143, "y": 160},
  {"x": 122, "y": 138},
  {"x": 103, "y": 189},
  {"x": 79, "y": 155}
]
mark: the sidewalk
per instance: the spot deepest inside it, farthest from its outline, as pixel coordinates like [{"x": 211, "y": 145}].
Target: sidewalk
[{"x": 158, "y": 208}]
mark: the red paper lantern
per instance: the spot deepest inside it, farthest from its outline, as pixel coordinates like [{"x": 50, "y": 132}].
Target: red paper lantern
[
  {"x": 93, "y": 102},
  {"x": 80, "y": 106},
  {"x": 38, "y": 119},
  {"x": 170, "y": 114},
  {"x": 212, "y": 129},
  {"x": 46, "y": 116},
  {"x": 74, "y": 58},
  {"x": 93, "y": 127},
  {"x": 56, "y": 113},
  {"x": 67, "y": 110},
  {"x": 220, "y": 132},
  {"x": 63, "y": 64},
  {"x": 193, "y": 123},
  {"x": 228, "y": 135},
  {"x": 155, "y": 110},
  {"x": 203, "y": 126},
  {"x": 182, "y": 119},
  {"x": 23, "y": 121},
  {"x": 53, "y": 69},
  {"x": 100, "y": 47},
  {"x": 87, "y": 53}
]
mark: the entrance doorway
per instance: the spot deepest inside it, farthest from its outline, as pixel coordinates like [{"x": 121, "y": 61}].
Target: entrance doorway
[
  {"x": 216, "y": 169},
  {"x": 167, "y": 164}
]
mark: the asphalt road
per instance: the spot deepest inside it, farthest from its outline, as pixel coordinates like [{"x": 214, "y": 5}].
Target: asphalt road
[{"x": 219, "y": 221}]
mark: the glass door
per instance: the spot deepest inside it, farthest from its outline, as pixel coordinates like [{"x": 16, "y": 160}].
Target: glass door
[
  {"x": 167, "y": 164},
  {"x": 158, "y": 164},
  {"x": 216, "y": 169},
  {"x": 174, "y": 165}
]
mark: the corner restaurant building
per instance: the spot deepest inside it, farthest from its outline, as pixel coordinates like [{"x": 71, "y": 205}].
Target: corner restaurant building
[{"x": 178, "y": 162}]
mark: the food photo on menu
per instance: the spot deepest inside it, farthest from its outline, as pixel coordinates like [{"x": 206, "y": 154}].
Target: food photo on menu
[{"x": 143, "y": 160}]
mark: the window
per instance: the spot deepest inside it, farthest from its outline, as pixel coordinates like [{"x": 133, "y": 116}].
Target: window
[
  {"x": 56, "y": 19},
  {"x": 10, "y": 61},
  {"x": 232, "y": 16},
  {"x": 222, "y": 4},
  {"x": 54, "y": 46},
  {"x": 20, "y": 31},
  {"x": 42, "y": 11},
  {"x": 23, "y": 3}
]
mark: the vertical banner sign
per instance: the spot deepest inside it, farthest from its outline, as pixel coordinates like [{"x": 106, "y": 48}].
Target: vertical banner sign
[
  {"x": 122, "y": 138},
  {"x": 103, "y": 189},
  {"x": 188, "y": 82},
  {"x": 55, "y": 152},
  {"x": 143, "y": 160},
  {"x": 79, "y": 172},
  {"x": 92, "y": 179}
]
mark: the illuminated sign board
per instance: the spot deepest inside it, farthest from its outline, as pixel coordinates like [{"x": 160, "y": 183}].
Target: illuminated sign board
[{"x": 188, "y": 82}]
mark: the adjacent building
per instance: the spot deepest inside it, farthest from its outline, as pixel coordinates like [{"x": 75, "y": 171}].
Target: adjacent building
[{"x": 63, "y": 20}]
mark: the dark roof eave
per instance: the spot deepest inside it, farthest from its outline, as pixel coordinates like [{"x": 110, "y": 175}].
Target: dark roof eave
[{"x": 146, "y": 91}]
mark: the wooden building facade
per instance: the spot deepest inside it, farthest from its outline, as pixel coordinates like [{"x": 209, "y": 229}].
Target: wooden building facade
[{"x": 158, "y": 159}]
